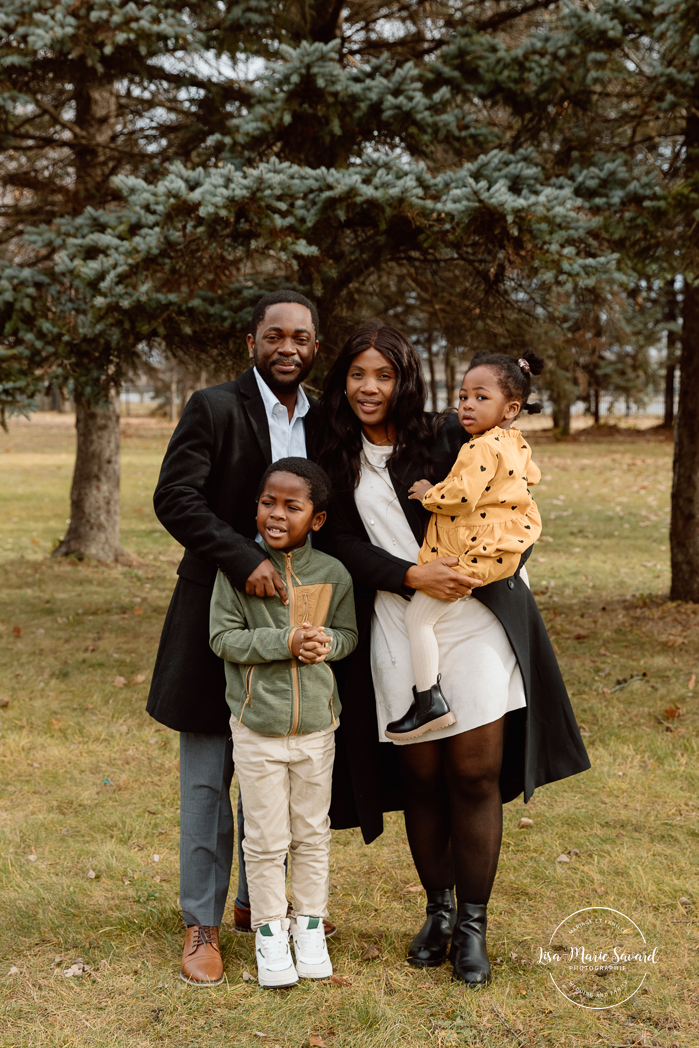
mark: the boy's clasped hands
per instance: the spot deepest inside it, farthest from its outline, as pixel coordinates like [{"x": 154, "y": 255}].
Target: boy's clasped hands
[{"x": 310, "y": 644}]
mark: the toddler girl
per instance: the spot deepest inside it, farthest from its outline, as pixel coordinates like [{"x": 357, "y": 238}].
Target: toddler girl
[{"x": 483, "y": 516}]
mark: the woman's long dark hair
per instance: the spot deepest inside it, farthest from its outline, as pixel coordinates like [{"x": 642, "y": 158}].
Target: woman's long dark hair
[{"x": 342, "y": 431}]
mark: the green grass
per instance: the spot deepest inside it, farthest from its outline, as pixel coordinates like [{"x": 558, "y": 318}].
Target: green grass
[{"x": 88, "y": 783}]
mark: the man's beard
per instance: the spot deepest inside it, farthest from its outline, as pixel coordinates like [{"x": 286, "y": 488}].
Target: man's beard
[{"x": 286, "y": 383}]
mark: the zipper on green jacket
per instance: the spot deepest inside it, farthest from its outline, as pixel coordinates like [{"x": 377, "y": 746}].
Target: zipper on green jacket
[{"x": 294, "y": 664}]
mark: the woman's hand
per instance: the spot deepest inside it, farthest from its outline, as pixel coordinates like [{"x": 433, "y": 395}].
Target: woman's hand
[
  {"x": 439, "y": 580},
  {"x": 420, "y": 489}
]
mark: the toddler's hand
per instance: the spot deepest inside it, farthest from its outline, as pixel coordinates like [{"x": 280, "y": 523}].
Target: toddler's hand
[{"x": 420, "y": 489}]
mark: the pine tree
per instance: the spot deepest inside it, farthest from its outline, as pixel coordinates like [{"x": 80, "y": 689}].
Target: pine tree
[{"x": 88, "y": 90}]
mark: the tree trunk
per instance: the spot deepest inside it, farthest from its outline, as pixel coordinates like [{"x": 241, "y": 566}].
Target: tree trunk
[
  {"x": 173, "y": 400},
  {"x": 684, "y": 519},
  {"x": 669, "y": 390},
  {"x": 596, "y": 405},
  {"x": 433, "y": 370},
  {"x": 93, "y": 530},
  {"x": 450, "y": 376},
  {"x": 561, "y": 416},
  {"x": 670, "y": 315}
]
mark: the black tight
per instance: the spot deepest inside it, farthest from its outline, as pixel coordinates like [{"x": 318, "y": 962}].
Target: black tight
[{"x": 453, "y": 810}]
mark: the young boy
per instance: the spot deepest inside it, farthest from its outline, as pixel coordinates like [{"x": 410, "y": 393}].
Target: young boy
[{"x": 284, "y": 704}]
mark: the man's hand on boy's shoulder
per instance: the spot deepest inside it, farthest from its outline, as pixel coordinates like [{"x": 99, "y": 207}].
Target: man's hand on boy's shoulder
[
  {"x": 310, "y": 644},
  {"x": 265, "y": 581}
]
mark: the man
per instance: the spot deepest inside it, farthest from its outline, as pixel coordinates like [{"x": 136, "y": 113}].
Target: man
[{"x": 206, "y": 498}]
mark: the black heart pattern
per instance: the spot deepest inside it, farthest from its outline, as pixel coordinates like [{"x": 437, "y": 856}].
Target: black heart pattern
[
  {"x": 483, "y": 515},
  {"x": 499, "y": 560},
  {"x": 453, "y": 519},
  {"x": 482, "y": 469},
  {"x": 474, "y": 560},
  {"x": 511, "y": 472},
  {"x": 464, "y": 500}
]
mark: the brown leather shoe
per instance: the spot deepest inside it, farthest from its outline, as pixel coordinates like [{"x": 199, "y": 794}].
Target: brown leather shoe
[
  {"x": 241, "y": 918},
  {"x": 201, "y": 957}
]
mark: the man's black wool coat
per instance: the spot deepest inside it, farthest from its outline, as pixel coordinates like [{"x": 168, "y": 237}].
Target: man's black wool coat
[{"x": 206, "y": 497}]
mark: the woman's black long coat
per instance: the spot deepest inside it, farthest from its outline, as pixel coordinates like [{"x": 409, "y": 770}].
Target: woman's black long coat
[{"x": 542, "y": 742}]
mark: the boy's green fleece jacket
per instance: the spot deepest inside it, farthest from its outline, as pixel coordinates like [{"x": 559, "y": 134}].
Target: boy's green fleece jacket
[{"x": 267, "y": 689}]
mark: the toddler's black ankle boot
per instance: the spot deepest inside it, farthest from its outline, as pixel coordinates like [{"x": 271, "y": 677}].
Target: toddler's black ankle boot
[
  {"x": 429, "y": 947},
  {"x": 429, "y": 711},
  {"x": 468, "y": 954}
]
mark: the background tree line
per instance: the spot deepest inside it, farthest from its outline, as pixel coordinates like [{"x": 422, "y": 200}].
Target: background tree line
[{"x": 484, "y": 174}]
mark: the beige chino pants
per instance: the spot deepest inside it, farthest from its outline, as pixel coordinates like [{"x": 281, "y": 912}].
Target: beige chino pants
[{"x": 285, "y": 784}]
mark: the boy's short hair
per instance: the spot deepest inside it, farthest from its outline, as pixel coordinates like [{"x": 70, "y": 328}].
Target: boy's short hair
[{"x": 319, "y": 487}]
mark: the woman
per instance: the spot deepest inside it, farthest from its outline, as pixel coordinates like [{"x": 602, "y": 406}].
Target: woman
[{"x": 514, "y": 729}]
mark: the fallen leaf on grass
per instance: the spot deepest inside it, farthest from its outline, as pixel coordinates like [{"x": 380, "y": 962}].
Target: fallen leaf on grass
[
  {"x": 524, "y": 823},
  {"x": 119, "y": 682},
  {"x": 138, "y": 611},
  {"x": 75, "y": 969},
  {"x": 411, "y": 889},
  {"x": 673, "y": 711},
  {"x": 316, "y": 1041},
  {"x": 563, "y": 858},
  {"x": 581, "y": 636},
  {"x": 17, "y": 630},
  {"x": 674, "y": 642},
  {"x": 604, "y": 651},
  {"x": 684, "y": 901},
  {"x": 342, "y": 980},
  {"x": 139, "y": 678},
  {"x": 55, "y": 723},
  {"x": 556, "y": 648},
  {"x": 91, "y": 875},
  {"x": 372, "y": 953},
  {"x": 13, "y": 971},
  {"x": 691, "y": 682},
  {"x": 247, "y": 977},
  {"x": 156, "y": 858},
  {"x": 573, "y": 851},
  {"x": 4, "y": 703}
]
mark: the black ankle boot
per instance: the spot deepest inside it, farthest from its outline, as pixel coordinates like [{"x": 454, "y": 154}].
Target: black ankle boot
[
  {"x": 430, "y": 710},
  {"x": 468, "y": 953},
  {"x": 429, "y": 947}
]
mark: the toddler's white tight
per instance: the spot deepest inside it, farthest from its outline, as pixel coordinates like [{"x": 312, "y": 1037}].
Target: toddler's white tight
[{"x": 421, "y": 617}]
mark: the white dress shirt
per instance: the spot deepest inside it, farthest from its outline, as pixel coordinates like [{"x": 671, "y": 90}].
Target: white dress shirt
[{"x": 288, "y": 438}]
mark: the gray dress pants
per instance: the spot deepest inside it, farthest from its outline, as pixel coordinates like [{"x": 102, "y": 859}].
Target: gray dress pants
[{"x": 207, "y": 828}]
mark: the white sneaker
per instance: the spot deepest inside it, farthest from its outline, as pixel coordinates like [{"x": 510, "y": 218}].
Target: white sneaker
[
  {"x": 275, "y": 967},
  {"x": 310, "y": 949}
]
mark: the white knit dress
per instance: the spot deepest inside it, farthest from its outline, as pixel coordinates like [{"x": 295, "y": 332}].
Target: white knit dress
[{"x": 480, "y": 675}]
